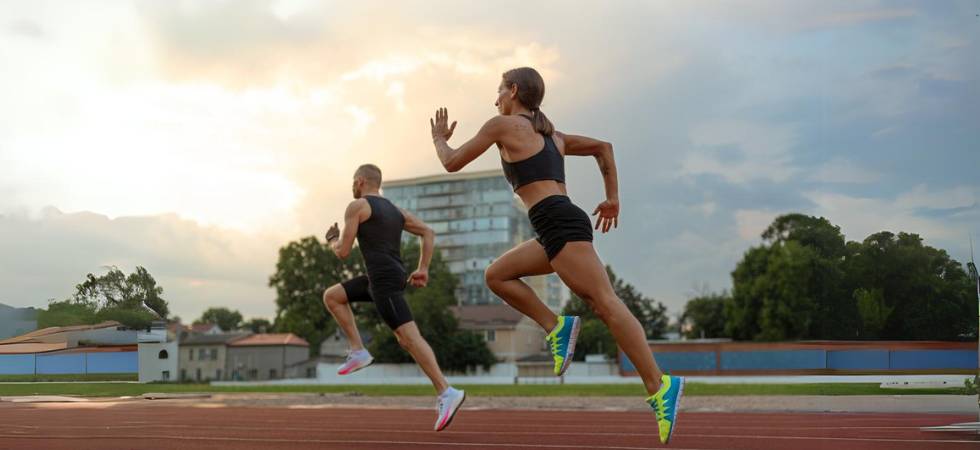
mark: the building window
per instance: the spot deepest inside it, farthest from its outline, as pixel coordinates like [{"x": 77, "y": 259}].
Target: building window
[
  {"x": 183, "y": 374},
  {"x": 214, "y": 354},
  {"x": 272, "y": 373},
  {"x": 253, "y": 374},
  {"x": 201, "y": 353},
  {"x": 190, "y": 354},
  {"x": 163, "y": 354},
  {"x": 198, "y": 377},
  {"x": 165, "y": 376},
  {"x": 311, "y": 372},
  {"x": 217, "y": 375},
  {"x": 491, "y": 335}
]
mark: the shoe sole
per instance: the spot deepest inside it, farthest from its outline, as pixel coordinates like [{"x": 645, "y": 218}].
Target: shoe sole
[
  {"x": 453, "y": 414},
  {"x": 677, "y": 410},
  {"x": 356, "y": 369},
  {"x": 571, "y": 347}
]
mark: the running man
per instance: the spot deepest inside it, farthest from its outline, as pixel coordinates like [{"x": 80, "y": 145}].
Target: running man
[
  {"x": 532, "y": 154},
  {"x": 377, "y": 224}
]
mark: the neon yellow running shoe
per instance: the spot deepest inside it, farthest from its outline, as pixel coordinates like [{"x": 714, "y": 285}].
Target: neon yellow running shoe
[
  {"x": 561, "y": 341},
  {"x": 665, "y": 404}
]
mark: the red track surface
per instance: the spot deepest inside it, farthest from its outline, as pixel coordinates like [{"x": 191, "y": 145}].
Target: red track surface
[{"x": 145, "y": 425}]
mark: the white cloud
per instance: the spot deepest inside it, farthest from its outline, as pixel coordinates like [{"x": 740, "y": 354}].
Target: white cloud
[
  {"x": 741, "y": 151},
  {"x": 242, "y": 109},
  {"x": 750, "y": 223},
  {"x": 45, "y": 256},
  {"x": 841, "y": 170},
  {"x": 857, "y": 17},
  {"x": 921, "y": 197},
  {"x": 860, "y": 217}
]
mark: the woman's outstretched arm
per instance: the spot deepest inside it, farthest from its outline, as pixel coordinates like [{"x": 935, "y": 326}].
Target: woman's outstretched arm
[
  {"x": 603, "y": 152},
  {"x": 455, "y": 159}
]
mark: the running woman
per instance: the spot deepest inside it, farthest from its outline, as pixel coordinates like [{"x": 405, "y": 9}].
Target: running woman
[
  {"x": 377, "y": 224},
  {"x": 532, "y": 154}
]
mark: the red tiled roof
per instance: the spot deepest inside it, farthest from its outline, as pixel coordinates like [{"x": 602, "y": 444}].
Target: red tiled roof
[
  {"x": 103, "y": 349},
  {"x": 202, "y": 327},
  {"x": 29, "y": 337},
  {"x": 31, "y": 347},
  {"x": 270, "y": 339}
]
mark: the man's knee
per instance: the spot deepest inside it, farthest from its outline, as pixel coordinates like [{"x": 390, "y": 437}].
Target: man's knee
[
  {"x": 407, "y": 335},
  {"x": 334, "y": 296}
]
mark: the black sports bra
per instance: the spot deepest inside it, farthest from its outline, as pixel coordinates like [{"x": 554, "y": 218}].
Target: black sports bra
[{"x": 547, "y": 164}]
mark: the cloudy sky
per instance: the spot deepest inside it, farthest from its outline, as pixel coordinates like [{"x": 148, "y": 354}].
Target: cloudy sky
[{"x": 196, "y": 137}]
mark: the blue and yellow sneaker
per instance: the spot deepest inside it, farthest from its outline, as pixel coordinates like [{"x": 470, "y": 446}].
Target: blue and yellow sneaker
[
  {"x": 665, "y": 403},
  {"x": 561, "y": 341}
]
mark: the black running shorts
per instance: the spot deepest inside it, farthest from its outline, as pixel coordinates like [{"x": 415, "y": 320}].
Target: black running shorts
[
  {"x": 391, "y": 305},
  {"x": 557, "y": 221}
]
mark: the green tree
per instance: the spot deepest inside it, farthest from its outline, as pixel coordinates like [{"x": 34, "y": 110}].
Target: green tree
[
  {"x": 873, "y": 311},
  {"x": 792, "y": 286},
  {"x": 224, "y": 318},
  {"x": 919, "y": 285},
  {"x": 134, "y": 300},
  {"x": 806, "y": 282},
  {"x": 704, "y": 316},
  {"x": 258, "y": 325},
  {"x": 67, "y": 313},
  {"x": 306, "y": 268},
  {"x": 115, "y": 290}
]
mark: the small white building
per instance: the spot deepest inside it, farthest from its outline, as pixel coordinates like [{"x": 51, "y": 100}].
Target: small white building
[
  {"x": 158, "y": 361},
  {"x": 157, "y": 356}
]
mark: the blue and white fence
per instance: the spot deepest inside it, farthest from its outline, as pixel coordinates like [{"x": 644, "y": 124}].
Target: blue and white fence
[{"x": 70, "y": 363}]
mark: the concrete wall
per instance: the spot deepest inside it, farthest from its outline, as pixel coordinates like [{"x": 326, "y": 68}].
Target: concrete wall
[
  {"x": 526, "y": 339},
  {"x": 263, "y": 362},
  {"x": 209, "y": 368},
  {"x": 152, "y": 367},
  {"x": 335, "y": 345},
  {"x": 411, "y": 374},
  {"x": 812, "y": 357},
  {"x": 503, "y": 373}
]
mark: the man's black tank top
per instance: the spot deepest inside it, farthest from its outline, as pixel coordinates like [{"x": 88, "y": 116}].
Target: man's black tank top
[
  {"x": 380, "y": 238},
  {"x": 547, "y": 164}
]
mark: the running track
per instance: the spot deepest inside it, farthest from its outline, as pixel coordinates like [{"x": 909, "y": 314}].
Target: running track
[{"x": 159, "y": 425}]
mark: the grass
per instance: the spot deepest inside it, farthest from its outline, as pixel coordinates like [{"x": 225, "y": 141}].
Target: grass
[{"x": 580, "y": 390}]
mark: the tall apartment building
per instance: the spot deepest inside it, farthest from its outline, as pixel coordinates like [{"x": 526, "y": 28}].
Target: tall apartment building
[{"x": 476, "y": 217}]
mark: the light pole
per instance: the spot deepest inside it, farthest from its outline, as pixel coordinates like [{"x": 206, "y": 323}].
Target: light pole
[
  {"x": 972, "y": 266},
  {"x": 972, "y": 427}
]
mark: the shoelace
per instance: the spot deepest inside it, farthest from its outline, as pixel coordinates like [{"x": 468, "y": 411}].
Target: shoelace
[
  {"x": 660, "y": 408},
  {"x": 555, "y": 344}
]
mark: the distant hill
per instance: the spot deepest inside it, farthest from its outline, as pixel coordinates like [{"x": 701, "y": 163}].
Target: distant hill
[{"x": 16, "y": 321}]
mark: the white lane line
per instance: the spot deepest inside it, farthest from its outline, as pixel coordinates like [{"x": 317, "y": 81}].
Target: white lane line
[
  {"x": 519, "y": 433},
  {"x": 331, "y": 441},
  {"x": 817, "y": 438},
  {"x": 501, "y": 429}
]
